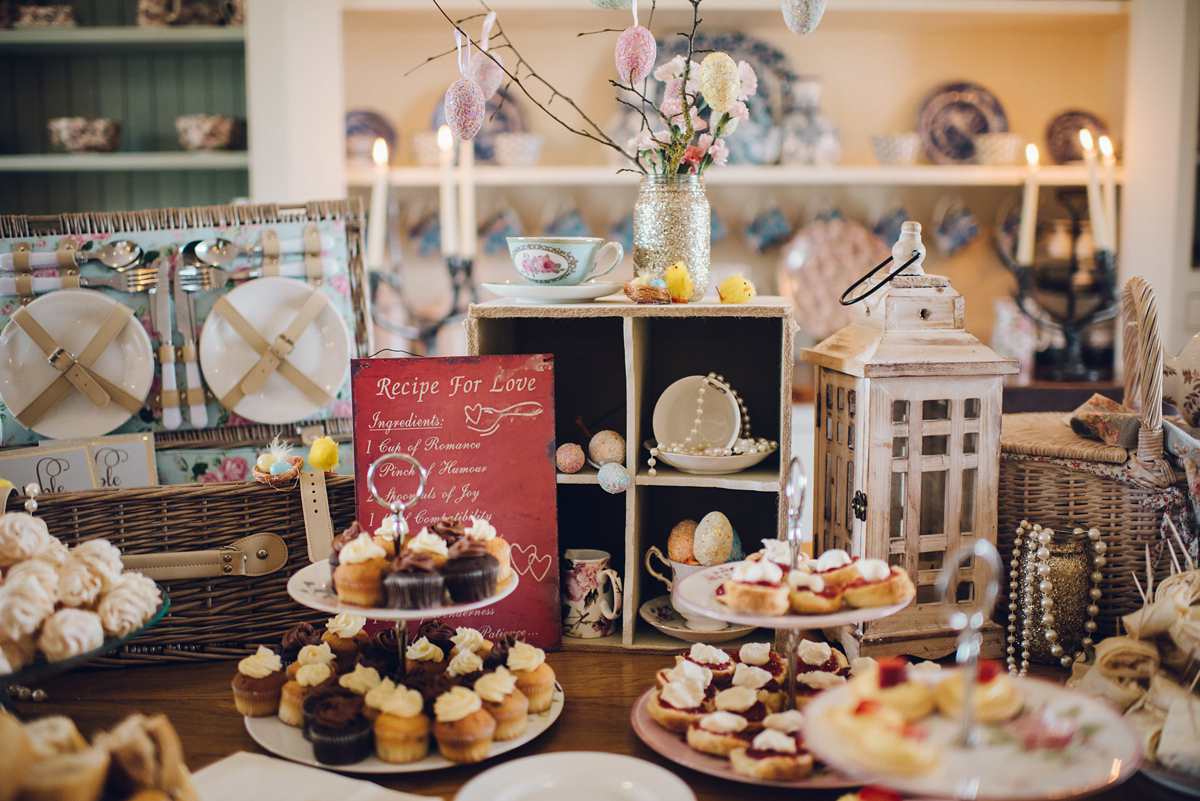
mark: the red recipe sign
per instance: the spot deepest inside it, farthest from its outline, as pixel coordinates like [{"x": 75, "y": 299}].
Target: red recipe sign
[{"x": 483, "y": 426}]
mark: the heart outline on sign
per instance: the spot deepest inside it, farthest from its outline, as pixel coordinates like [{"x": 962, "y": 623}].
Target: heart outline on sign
[
  {"x": 532, "y": 561},
  {"x": 472, "y": 413}
]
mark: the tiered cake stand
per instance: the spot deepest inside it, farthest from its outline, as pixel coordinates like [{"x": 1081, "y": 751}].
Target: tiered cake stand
[{"x": 312, "y": 587}]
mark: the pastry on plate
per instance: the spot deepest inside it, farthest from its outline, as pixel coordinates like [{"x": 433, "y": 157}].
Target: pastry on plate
[
  {"x": 762, "y": 682},
  {"x": 717, "y": 733},
  {"x": 413, "y": 581},
  {"x": 464, "y": 668},
  {"x": 481, "y": 530},
  {"x": 345, "y": 636},
  {"x": 375, "y": 697},
  {"x": 470, "y": 572},
  {"x": 507, "y": 705},
  {"x": 1122, "y": 658},
  {"x": 468, "y": 639},
  {"x": 889, "y": 681},
  {"x": 258, "y": 683},
  {"x": 297, "y": 690},
  {"x": 759, "y": 654},
  {"x": 996, "y": 697},
  {"x": 882, "y": 740},
  {"x": 462, "y": 727},
  {"x": 679, "y": 704},
  {"x": 684, "y": 669},
  {"x": 340, "y": 733},
  {"x": 809, "y": 594},
  {"x": 361, "y": 680},
  {"x": 835, "y": 566},
  {"x": 402, "y": 728},
  {"x": 755, "y": 588},
  {"x": 773, "y": 755},
  {"x": 358, "y": 578},
  {"x": 745, "y": 702},
  {"x": 320, "y": 653},
  {"x": 714, "y": 659},
  {"x": 535, "y": 678},
  {"x": 424, "y": 658},
  {"x": 877, "y": 584}
]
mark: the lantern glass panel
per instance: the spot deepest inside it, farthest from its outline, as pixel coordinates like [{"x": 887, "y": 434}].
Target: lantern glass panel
[
  {"x": 829, "y": 427},
  {"x": 937, "y": 445},
  {"x": 971, "y": 409},
  {"x": 841, "y": 399},
  {"x": 930, "y": 560},
  {"x": 841, "y": 432},
  {"x": 933, "y": 502},
  {"x": 850, "y": 437},
  {"x": 896, "y": 559},
  {"x": 970, "y": 442},
  {"x": 899, "y": 411},
  {"x": 849, "y": 498},
  {"x": 851, "y": 398},
  {"x": 966, "y": 519},
  {"x": 900, "y": 447},
  {"x": 935, "y": 410},
  {"x": 896, "y": 518},
  {"x": 927, "y": 594},
  {"x": 965, "y": 592},
  {"x": 830, "y": 480}
]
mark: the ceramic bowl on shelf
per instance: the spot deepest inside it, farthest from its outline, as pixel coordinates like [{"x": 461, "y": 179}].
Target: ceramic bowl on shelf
[
  {"x": 210, "y": 132},
  {"x": 425, "y": 148},
  {"x": 1000, "y": 148},
  {"x": 897, "y": 148},
  {"x": 518, "y": 148},
  {"x": 84, "y": 134},
  {"x": 37, "y": 16}
]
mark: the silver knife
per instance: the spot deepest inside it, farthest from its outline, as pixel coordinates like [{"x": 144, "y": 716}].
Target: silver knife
[
  {"x": 185, "y": 324},
  {"x": 172, "y": 416}
]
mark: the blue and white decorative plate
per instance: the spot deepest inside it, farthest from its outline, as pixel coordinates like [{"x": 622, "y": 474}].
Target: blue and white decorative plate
[
  {"x": 363, "y": 127},
  {"x": 954, "y": 114},
  {"x": 1062, "y": 134},
  {"x": 503, "y": 115}
]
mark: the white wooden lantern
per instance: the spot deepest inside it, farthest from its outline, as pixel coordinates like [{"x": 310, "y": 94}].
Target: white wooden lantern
[{"x": 907, "y": 451}]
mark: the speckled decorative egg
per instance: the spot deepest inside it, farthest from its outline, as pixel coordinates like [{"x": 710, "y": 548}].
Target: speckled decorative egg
[
  {"x": 802, "y": 16},
  {"x": 636, "y": 50},
  {"x": 464, "y": 106},
  {"x": 569, "y": 458},
  {"x": 719, "y": 81},
  {"x": 487, "y": 73},
  {"x": 607, "y": 446},
  {"x": 737, "y": 553},
  {"x": 614, "y": 478},
  {"x": 612, "y": 3},
  {"x": 679, "y": 542},
  {"x": 713, "y": 541}
]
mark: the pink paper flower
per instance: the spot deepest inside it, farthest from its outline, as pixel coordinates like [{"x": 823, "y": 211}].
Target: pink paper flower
[{"x": 749, "y": 85}]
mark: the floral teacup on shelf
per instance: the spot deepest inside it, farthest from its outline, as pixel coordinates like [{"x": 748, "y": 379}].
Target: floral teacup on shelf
[{"x": 561, "y": 260}]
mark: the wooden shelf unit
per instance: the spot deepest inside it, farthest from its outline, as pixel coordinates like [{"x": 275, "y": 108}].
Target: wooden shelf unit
[{"x": 612, "y": 361}]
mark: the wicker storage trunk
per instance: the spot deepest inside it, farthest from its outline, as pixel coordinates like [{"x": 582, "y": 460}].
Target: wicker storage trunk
[
  {"x": 223, "y": 617},
  {"x": 1050, "y": 475}
]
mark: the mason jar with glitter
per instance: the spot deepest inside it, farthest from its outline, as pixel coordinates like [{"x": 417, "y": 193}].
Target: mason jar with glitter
[
  {"x": 1052, "y": 593},
  {"x": 671, "y": 223}
]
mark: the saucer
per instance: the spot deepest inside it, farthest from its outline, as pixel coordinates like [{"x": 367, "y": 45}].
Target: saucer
[
  {"x": 532, "y": 293},
  {"x": 675, "y": 414},
  {"x": 578, "y": 774},
  {"x": 660, "y": 614}
]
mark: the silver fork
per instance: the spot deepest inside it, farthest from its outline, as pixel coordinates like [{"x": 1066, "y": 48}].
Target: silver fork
[
  {"x": 136, "y": 280},
  {"x": 203, "y": 278}
]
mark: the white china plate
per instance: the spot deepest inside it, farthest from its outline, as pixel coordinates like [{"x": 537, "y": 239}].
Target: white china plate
[
  {"x": 288, "y": 742},
  {"x": 322, "y": 352},
  {"x": 675, "y": 413},
  {"x": 675, "y": 748},
  {"x": 697, "y": 593},
  {"x": 310, "y": 586},
  {"x": 577, "y": 775},
  {"x": 1000, "y": 769},
  {"x": 1190, "y": 785},
  {"x": 532, "y": 293},
  {"x": 712, "y": 465},
  {"x": 659, "y": 613},
  {"x": 72, "y": 317}
]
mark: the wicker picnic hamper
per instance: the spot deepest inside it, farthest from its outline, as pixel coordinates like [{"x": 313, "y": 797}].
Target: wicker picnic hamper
[
  {"x": 215, "y": 616},
  {"x": 1052, "y": 476},
  {"x": 222, "y": 617}
]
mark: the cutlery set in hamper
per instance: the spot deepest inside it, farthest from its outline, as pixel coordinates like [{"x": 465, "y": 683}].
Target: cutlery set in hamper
[
  {"x": 179, "y": 320},
  {"x": 214, "y": 329}
]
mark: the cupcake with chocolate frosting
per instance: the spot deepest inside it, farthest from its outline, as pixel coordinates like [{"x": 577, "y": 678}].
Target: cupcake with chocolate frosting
[
  {"x": 500, "y": 648},
  {"x": 438, "y": 632},
  {"x": 470, "y": 571},
  {"x": 295, "y": 638},
  {"x": 340, "y": 733},
  {"x": 448, "y": 529},
  {"x": 413, "y": 582},
  {"x": 335, "y": 554},
  {"x": 481, "y": 530}
]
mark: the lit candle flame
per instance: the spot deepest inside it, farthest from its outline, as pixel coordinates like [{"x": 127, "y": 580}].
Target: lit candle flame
[
  {"x": 1031, "y": 154},
  {"x": 1106, "y": 147},
  {"x": 445, "y": 139},
  {"x": 380, "y": 152},
  {"x": 1085, "y": 139}
]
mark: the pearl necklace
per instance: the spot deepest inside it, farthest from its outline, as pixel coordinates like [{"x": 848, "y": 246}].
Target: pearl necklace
[
  {"x": 1028, "y": 535},
  {"x": 743, "y": 445}
]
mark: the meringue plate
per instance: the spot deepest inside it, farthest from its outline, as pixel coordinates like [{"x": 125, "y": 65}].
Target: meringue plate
[
  {"x": 576, "y": 774},
  {"x": 675, "y": 414},
  {"x": 659, "y": 613},
  {"x": 712, "y": 465}
]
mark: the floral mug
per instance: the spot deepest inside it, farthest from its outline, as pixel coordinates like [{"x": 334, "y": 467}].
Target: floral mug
[{"x": 586, "y": 611}]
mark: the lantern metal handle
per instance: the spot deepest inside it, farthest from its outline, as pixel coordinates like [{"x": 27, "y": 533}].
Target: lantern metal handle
[
  {"x": 397, "y": 507},
  {"x": 970, "y": 623},
  {"x": 916, "y": 255},
  {"x": 794, "y": 491}
]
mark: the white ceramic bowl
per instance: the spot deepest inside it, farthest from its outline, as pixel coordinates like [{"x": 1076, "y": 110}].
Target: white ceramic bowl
[
  {"x": 425, "y": 148},
  {"x": 999, "y": 148},
  {"x": 210, "y": 132},
  {"x": 84, "y": 134},
  {"x": 897, "y": 148},
  {"x": 518, "y": 149}
]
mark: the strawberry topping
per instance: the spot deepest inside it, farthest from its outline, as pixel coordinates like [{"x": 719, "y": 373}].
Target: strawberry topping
[
  {"x": 988, "y": 670},
  {"x": 893, "y": 670}
]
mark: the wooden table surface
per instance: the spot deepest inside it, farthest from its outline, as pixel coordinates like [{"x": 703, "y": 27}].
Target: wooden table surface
[{"x": 600, "y": 690}]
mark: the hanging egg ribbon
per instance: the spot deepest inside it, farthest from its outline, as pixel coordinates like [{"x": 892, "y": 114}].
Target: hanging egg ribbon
[
  {"x": 719, "y": 81},
  {"x": 612, "y": 3},
  {"x": 464, "y": 102},
  {"x": 636, "y": 51},
  {"x": 802, "y": 16},
  {"x": 487, "y": 70}
]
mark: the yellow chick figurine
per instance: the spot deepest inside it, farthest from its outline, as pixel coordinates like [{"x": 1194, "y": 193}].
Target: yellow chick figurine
[
  {"x": 679, "y": 282},
  {"x": 323, "y": 455},
  {"x": 735, "y": 289}
]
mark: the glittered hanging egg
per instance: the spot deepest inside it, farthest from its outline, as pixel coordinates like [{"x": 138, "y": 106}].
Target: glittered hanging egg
[
  {"x": 719, "y": 81},
  {"x": 465, "y": 105},
  {"x": 612, "y": 3},
  {"x": 636, "y": 51},
  {"x": 802, "y": 16},
  {"x": 487, "y": 73}
]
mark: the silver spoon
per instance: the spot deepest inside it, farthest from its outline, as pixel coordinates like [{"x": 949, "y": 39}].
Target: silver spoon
[
  {"x": 118, "y": 255},
  {"x": 215, "y": 252}
]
